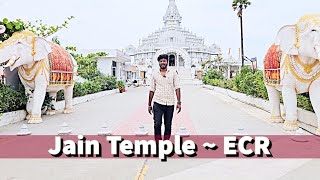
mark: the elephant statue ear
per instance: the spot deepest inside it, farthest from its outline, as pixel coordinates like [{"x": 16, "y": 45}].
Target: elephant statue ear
[
  {"x": 42, "y": 49},
  {"x": 286, "y": 39}
]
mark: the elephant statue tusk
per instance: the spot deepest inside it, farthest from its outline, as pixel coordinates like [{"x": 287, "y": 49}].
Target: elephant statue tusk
[
  {"x": 2, "y": 29},
  {"x": 11, "y": 61}
]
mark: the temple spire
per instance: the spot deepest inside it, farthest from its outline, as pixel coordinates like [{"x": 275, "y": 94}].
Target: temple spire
[{"x": 172, "y": 16}]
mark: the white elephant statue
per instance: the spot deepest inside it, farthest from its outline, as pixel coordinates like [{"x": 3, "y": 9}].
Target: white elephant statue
[
  {"x": 292, "y": 66},
  {"x": 42, "y": 67}
]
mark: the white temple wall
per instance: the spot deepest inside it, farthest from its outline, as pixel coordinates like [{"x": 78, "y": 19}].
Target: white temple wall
[{"x": 105, "y": 66}]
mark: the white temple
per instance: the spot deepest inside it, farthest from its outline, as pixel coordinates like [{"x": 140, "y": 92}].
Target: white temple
[{"x": 185, "y": 49}]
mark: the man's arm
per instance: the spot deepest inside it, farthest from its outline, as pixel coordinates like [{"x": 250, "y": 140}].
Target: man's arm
[
  {"x": 178, "y": 93},
  {"x": 176, "y": 82},
  {"x": 151, "y": 94}
]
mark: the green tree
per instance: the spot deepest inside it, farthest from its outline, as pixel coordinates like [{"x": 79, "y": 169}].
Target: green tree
[
  {"x": 56, "y": 40},
  {"x": 39, "y": 28},
  {"x": 87, "y": 65},
  {"x": 71, "y": 48},
  {"x": 43, "y": 30},
  {"x": 218, "y": 59},
  {"x": 239, "y": 6},
  {"x": 11, "y": 27},
  {"x": 214, "y": 74}
]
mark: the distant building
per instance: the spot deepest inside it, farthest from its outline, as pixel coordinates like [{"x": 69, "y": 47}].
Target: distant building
[
  {"x": 185, "y": 49},
  {"x": 115, "y": 63},
  {"x": 230, "y": 66},
  {"x": 187, "y": 52}
]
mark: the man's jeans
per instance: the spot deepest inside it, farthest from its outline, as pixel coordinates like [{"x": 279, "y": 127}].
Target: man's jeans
[{"x": 160, "y": 110}]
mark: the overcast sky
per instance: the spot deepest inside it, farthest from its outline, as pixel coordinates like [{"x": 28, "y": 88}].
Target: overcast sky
[{"x": 114, "y": 24}]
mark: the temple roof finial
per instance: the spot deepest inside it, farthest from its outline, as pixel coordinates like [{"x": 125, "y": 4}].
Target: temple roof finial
[{"x": 172, "y": 16}]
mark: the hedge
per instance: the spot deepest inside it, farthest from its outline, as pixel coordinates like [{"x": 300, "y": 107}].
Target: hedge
[
  {"x": 251, "y": 82},
  {"x": 12, "y": 100},
  {"x": 100, "y": 83}
]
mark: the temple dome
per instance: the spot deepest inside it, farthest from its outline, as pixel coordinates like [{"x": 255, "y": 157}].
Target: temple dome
[{"x": 130, "y": 50}]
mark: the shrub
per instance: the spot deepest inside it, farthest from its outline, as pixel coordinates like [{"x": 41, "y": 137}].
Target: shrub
[
  {"x": 92, "y": 87},
  {"x": 214, "y": 74},
  {"x": 48, "y": 102},
  {"x": 106, "y": 82},
  {"x": 12, "y": 100},
  {"x": 89, "y": 87},
  {"x": 100, "y": 83},
  {"x": 251, "y": 83},
  {"x": 79, "y": 90},
  {"x": 304, "y": 102},
  {"x": 60, "y": 95},
  {"x": 205, "y": 80},
  {"x": 120, "y": 85}
]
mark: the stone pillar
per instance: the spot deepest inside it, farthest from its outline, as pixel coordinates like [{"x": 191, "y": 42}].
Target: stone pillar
[
  {"x": 149, "y": 73},
  {"x": 118, "y": 71},
  {"x": 178, "y": 60},
  {"x": 228, "y": 71},
  {"x": 193, "y": 72}
]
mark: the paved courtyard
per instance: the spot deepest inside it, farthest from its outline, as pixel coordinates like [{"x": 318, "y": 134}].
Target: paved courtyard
[{"x": 203, "y": 112}]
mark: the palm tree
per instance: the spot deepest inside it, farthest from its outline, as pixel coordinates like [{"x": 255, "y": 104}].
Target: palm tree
[{"x": 239, "y": 5}]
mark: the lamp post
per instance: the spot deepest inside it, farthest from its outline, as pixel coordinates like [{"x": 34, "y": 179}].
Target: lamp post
[
  {"x": 240, "y": 5},
  {"x": 242, "y": 51}
]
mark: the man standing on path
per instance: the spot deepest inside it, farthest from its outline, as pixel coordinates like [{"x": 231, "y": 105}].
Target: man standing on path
[{"x": 164, "y": 85}]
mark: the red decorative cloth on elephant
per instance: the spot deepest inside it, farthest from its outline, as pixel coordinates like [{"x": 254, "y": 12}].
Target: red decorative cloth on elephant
[
  {"x": 272, "y": 66},
  {"x": 61, "y": 66}
]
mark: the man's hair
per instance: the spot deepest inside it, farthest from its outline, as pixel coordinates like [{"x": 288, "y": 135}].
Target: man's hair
[{"x": 163, "y": 56}]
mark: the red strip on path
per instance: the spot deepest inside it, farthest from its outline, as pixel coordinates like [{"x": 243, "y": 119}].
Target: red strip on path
[{"x": 141, "y": 117}]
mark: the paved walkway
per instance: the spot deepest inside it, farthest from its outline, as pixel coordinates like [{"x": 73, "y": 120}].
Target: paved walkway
[{"x": 204, "y": 112}]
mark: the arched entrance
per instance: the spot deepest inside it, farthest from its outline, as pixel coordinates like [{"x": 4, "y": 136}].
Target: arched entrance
[
  {"x": 172, "y": 60},
  {"x": 177, "y": 57}
]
